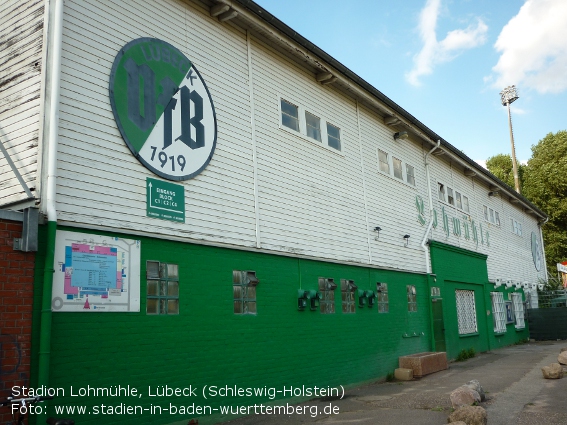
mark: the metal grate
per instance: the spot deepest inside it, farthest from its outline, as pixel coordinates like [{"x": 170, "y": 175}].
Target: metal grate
[
  {"x": 466, "y": 312},
  {"x": 518, "y": 310},
  {"x": 498, "y": 312}
]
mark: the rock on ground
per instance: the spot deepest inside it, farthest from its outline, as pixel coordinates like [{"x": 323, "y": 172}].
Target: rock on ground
[
  {"x": 553, "y": 371},
  {"x": 470, "y": 415},
  {"x": 464, "y": 396},
  {"x": 475, "y": 385},
  {"x": 562, "y": 358}
]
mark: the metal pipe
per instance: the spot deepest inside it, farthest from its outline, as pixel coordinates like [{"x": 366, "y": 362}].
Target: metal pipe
[
  {"x": 424, "y": 240},
  {"x": 514, "y": 163}
]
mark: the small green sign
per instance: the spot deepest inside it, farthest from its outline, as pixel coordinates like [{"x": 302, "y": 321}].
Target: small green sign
[{"x": 165, "y": 200}]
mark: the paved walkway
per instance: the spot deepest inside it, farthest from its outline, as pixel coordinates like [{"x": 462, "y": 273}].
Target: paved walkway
[{"x": 511, "y": 377}]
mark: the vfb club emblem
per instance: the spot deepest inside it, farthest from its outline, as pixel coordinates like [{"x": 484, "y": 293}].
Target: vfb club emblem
[{"x": 163, "y": 109}]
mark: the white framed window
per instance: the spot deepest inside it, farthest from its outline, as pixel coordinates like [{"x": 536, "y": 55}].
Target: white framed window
[
  {"x": 466, "y": 312},
  {"x": 491, "y": 215},
  {"x": 313, "y": 126},
  {"x": 518, "y": 310},
  {"x": 383, "y": 162},
  {"x": 412, "y": 298},
  {"x": 450, "y": 196},
  {"x": 397, "y": 166},
  {"x": 290, "y": 115},
  {"x": 453, "y": 197},
  {"x": 410, "y": 174},
  {"x": 516, "y": 227},
  {"x": 441, "y": 191},
  {"x": 458, "y": 200},
  {"x": 334, "y": 136},
  {"x": 162, "y": 290},
  {"x": 383, "y": 301},
  {"x": 308, "y": 125},
  {"x": 466, "y": 204},
  {"x": 498, "y": 312}
]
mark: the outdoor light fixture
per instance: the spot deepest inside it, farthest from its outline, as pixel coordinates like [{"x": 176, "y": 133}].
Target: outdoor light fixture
[
  {"x": 434, "y": 276},
  {"x": 498, "y": 283},
  {"x": 401, "y": 135},
  {"x": 371, "y": 297},
  {"x": 361, "y": 297},
  {"x": 406, "y": 238},
  {"x": 540, "y": 286},
  {"x": 509, "y": 95},
  {"x": 377, "y": 230},
  {"x": 509, "y": 284}
]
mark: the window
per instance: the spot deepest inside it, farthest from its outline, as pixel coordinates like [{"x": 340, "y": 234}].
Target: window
[
  {"x": 491, "y": 216},
  {"x": 412, "y": 300},
  {"x": 347, "y": 293},
  {"x": 313, "y": 126},
  {"x": 383, "y": 162},
  {"x": 162, "y": 289},
  {"x": 465, "y": 204},
  {"x": 244, "y": 291},
  {"x": 397, "y": 168},
  {"x": 410, "y": 174},
  {"x": 334, "y": 136},
  {"x": 290, "y": 115},
  {"x": 458, "y": 200},
  {"x": 450, "y": 198},
  {"x": 516, "y": 227},
  {"x": 518, "y": 310},
  {"x": 327, "y": 289},
  {"x": 441, "y": 192},
  {"x": 498, "y": 312},
  {"x": 383, "y": 303},
  {"x": 466, "y": 312}
]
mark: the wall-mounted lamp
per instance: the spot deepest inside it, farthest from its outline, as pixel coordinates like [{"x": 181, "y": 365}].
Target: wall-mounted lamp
[
  {"x": 406, "y": 238},
  {"x": 498, "y": 283},
  {"x": 371, "y": 297},
  {"x": 401, "y": 135},
  {"x": 377, "y": 230},
  {"x": 434, "y": 276},
  {"x": 361, "y": 297},
  {"x": 509, "y": 283},
  {"x": 540, "y": 286}
]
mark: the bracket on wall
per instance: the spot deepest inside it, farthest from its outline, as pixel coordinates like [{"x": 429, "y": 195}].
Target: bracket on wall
[{"x": 30, "y": 221}]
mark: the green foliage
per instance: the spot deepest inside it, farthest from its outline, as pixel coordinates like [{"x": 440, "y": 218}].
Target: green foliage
[
  {"x": 465, "y": 354},
  {"x": 390, "y": 377},
  {"x": 501, "y": 166},
  {"x": 544, "y": 182},
  {"x": 546, "y": 186}
]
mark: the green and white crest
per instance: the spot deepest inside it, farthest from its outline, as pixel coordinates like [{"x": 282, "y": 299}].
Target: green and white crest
[{"x": 163, "y": 109}]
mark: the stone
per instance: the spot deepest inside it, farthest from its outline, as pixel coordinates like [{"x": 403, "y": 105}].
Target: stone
[
  {"x": 563, "y": 349},
  {"x": 562, "y": 358},
  {"x": 470, "y": 415},
  {"x": 464, "y": 396},
  {"x": 475, "y": 385},
  {"x": 403, "y": 374},
  {"x": 424, "y": 363},
  {"x": 553, "y": 371},
  {"x": 459, "y": 423}
]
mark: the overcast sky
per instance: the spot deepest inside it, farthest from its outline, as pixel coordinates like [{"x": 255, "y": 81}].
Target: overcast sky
[{"x": 446, "y": 61}]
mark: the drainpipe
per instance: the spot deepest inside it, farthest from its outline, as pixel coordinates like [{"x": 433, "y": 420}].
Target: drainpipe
[
  {"x": 542, "y": 247},
  {"x": 54, "y": 50},
  {"x": 424, "y": 240}
]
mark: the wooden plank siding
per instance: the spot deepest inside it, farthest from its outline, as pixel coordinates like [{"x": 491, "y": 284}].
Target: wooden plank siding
[
  {"x": 21, "y": 43},
  {"x": 312, "y": 200}
]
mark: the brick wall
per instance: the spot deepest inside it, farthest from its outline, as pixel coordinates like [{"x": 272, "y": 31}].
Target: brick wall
[{"x": 16, "y": 297}]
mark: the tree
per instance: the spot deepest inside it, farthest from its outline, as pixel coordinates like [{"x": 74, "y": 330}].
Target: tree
[
  {"x": 501, "y": 166},
  {"x": 545, "y": 184}
]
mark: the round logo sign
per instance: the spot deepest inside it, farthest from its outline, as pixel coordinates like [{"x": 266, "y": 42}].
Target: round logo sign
[
  {"x": 536, "y": 252},
  {"x": 163, "y": 109}
]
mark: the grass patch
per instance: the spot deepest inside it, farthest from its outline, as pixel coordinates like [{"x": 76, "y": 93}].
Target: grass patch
[
  {"x": 465, "y": 354},
  {"x": 390, "y": 377}
]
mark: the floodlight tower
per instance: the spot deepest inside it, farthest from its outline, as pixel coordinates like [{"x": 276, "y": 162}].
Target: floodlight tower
[{"x": 508, "y": 96}]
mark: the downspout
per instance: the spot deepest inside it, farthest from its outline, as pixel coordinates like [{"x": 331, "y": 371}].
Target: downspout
[
  {"x": 54, "y": 51},
  {"x": 426, "y": 248},
  {"x": 424, "y": 240},
  {"x": 542, "y": 247}
]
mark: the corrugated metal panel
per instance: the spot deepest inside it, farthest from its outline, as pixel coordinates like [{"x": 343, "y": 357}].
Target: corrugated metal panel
[{"x": 21, "y": 41}]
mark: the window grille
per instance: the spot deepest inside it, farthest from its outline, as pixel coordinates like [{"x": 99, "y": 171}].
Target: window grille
[
  {"x": 410, "y": 174},
  {"x": 383, "y": 302},
  {"x": 327, "y": 289},
  {"x": 412, "y": 299},
  {"x": 244, "y": 291},
  {"x": 397, "y": 163},
  {"x": 518, "y": 310},
  {"x": 162, "y": 288},
  {"x": 383, "y": 160},
  {"x": 347, "y": 293},
  {"x": 466, "y": 312},
  {"x": 498, "y": 312}
]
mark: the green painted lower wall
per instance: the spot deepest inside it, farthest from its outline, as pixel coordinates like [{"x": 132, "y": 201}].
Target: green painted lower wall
[
  {"x": 460, "y": 269},
  {"x": 207, "y": 344}
]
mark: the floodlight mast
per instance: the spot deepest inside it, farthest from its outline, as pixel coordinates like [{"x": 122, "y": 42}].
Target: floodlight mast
[{"x": 508, "y": 96}]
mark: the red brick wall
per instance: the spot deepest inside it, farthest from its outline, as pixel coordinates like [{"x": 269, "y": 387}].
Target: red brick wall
[{"x": 16, "y": 298}]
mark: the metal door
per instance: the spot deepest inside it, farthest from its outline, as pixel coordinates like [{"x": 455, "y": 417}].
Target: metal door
[{"x": 438, "y": 324}]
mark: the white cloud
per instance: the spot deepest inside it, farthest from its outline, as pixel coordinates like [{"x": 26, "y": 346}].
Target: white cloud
[
  {"x": 533, "y": 48},
  {"x": 434, "y": 52}
]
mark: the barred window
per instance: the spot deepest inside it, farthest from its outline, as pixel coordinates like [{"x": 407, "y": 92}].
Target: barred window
[
  {"x": 498, "y": 312},
  {"x": 412, "y": 299},
  {"x": 518, "y": 310},
  {"x": 466, "y": 312},
  {"x": 383, "y": 302},
  {"x": 162, "y": 288},
  {"x": 244, "y": 291},
  {"x": 327, "y": 289},
  {"x": 347, "y": 293}
]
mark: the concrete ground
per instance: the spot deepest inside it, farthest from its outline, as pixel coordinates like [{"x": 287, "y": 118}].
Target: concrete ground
[{"x": 511, "y": 377}]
